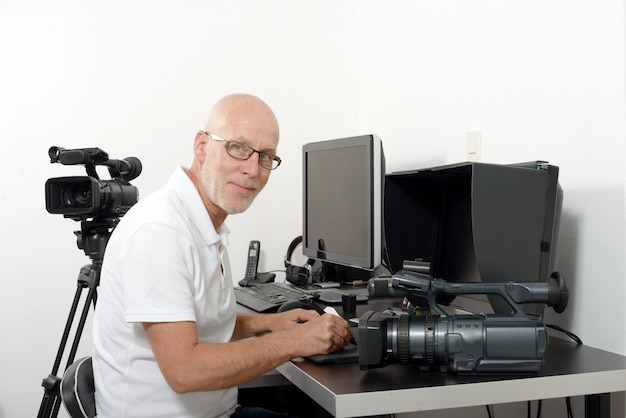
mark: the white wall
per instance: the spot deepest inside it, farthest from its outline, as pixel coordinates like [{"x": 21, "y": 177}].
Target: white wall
[{"x": 543, "y": 80}]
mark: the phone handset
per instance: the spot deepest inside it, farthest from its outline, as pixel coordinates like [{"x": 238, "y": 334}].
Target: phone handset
[{"x": 252, "y": 262}]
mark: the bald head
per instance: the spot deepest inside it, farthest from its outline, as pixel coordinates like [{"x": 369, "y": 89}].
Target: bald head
[{"x": 242, "y": 112}]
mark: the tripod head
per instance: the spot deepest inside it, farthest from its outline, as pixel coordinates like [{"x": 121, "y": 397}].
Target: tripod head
[{"x": 93, "y": 237}]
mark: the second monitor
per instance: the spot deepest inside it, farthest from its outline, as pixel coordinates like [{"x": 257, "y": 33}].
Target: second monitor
[{"x": 476, "y": 222}]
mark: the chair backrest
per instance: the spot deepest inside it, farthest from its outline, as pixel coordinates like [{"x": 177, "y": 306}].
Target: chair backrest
[{"x": 78, "y": 389}]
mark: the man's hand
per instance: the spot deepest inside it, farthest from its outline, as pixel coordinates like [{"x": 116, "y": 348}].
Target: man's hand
[
  {"x": 289, "y": 319},
  {"x": 320, "y": 335},
  {"x": 304, "y": 331}
]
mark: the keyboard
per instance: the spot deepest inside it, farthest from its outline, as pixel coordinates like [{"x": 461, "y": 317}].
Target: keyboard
[{"x": 267, "y": 297}]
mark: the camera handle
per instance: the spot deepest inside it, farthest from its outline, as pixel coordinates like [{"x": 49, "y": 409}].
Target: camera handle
[
  {"x": 88, "y": 278},
  {"x": 553, "y": 293}
]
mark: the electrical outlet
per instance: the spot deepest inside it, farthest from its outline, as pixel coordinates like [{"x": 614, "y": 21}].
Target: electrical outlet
[{"x": 474, "y": 145}]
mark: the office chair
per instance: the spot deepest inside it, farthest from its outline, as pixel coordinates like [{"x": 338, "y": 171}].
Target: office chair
[{"x": 78, "y": 389}]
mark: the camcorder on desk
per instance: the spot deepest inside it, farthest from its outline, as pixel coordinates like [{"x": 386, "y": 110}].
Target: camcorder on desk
[{"x": 512, "y": 343}]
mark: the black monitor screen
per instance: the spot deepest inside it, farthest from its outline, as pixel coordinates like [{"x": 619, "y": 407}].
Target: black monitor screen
[{"x": 343, "y": 201}]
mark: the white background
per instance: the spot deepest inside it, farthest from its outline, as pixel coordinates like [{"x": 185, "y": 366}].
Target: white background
[{"x": 541, "y": 79}]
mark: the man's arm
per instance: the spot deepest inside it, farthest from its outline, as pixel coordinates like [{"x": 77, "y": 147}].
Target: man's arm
[
  {"x": 189, "y": 366},
  {"x": 254, "y": 325}
]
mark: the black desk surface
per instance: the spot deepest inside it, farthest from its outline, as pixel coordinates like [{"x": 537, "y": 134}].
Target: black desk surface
[{"x": 562, "y": 358}]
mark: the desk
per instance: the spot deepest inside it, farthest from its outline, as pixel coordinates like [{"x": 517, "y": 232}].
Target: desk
[{"x": 569, "y": 370}]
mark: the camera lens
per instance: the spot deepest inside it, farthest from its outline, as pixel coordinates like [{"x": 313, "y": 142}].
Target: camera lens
[
  {"x": 403, "y": 339},
  {"x": 78, "y": 196}
]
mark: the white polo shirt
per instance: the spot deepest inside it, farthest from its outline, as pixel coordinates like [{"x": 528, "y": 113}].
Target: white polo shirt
[{"x": 164, "y": 263}]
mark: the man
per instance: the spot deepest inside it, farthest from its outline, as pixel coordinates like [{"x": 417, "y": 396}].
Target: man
[{"x": 168, "y": 341}]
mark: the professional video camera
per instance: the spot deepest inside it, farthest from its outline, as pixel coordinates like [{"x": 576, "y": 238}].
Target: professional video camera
[
  {"x": 512, "y": 343},
  {"x": 98, "y": 205},
  {"x": 81, "y": 198}
]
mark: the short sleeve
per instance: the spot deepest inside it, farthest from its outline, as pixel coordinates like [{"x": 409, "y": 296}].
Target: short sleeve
[{"x": 157, "y": 267}]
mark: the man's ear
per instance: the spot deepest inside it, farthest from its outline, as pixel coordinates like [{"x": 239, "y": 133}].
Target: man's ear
[{"x": 199, "y": 146}]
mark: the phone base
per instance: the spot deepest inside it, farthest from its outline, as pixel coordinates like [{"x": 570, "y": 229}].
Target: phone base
[{"x": 258, "y": 279}]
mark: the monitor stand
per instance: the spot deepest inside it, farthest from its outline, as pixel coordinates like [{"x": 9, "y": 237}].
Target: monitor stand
[{"x": 330, "y": 272}]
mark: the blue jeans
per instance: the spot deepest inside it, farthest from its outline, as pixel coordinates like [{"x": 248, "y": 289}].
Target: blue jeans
[{"x": 255, "y": 412}]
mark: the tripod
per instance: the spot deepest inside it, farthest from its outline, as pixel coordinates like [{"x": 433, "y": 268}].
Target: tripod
[{"x": 92, "y": 238}]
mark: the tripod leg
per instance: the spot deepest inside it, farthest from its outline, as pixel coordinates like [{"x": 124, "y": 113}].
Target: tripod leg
[
  {"x": 51, "y": 383},
  {"x": 89, "y": 276}
]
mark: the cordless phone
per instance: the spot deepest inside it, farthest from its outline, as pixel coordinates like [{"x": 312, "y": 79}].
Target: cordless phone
[{"x": 253, "y": 259}]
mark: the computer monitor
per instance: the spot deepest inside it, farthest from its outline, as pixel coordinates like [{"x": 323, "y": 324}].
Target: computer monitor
[
  {"x": 476, "y": 222},
  {"x": 343, "y": 205}
]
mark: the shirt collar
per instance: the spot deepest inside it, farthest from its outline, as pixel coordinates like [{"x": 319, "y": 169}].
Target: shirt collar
[{"x": 194, "y": 206}]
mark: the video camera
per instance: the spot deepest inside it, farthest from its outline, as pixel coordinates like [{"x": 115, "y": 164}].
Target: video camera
[
  {"x": 512, "y": 343},
  {"x": 98, "y": 204},
  {"x": 81, "y": 198}
]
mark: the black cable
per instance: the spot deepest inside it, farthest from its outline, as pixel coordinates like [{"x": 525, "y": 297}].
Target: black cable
[
  {"x": 488, "y": 411},
  {"x": 568, "y": 402},
  {"x": 578, "y": 341},
  {"x": 539, "y": 408},
  {"x": 529, "y": 408},
  {"x": 566, "y": 332}
]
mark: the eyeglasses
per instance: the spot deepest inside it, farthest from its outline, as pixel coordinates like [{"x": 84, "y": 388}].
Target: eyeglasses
[{"x": 243, "y": 152}]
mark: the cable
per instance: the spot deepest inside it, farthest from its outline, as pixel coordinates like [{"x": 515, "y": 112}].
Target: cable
[
  {"x": 539, "y": 403},
  {"x": 489, "y": 414},
  {"x": 529, "y": 408},
  {"x": 568, "y": 402},
  {"x": 566, "y": 332}
]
